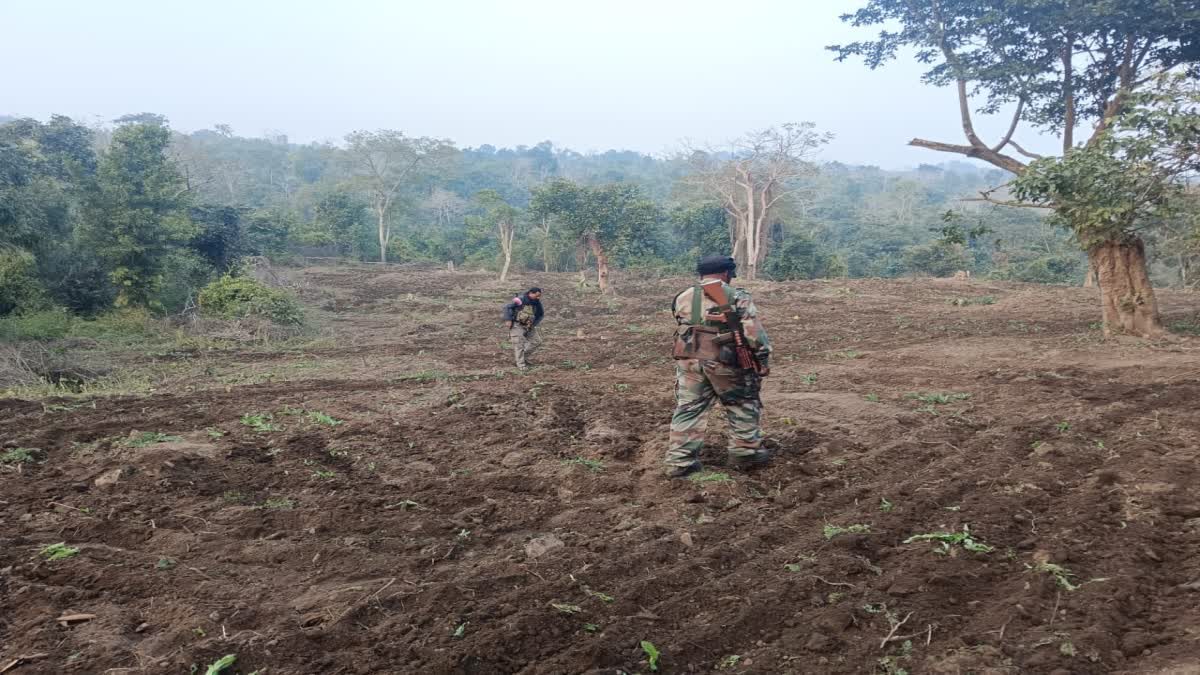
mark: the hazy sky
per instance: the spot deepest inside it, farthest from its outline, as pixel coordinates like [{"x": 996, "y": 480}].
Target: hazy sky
[{"x": 626, "y": 74}]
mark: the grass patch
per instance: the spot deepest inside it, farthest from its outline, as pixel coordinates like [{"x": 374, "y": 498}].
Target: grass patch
[
  {"x": 710, "y": 477},
  {"x": 279, "y": 504},
  {"x": 593, "y": 465},
  {"x": 1187, "y": 327},
  {"x": 20, "y": 456},
  {"x": 1062, "y": 576},
  {"x": 423, "y": 376},
  {"x": 59, "y": 551},
  {"x": 652, "y": 654},
  {"x": 967, "y": 302},
  {"x": 937, "y": 398},
  {"x": 323, "y": 419},
  {"x": 260, "y": 422},
  {"x": 832, "y": 531},
  {"x": 947, "y": 540},
  {"x": 148, "y": 438}
]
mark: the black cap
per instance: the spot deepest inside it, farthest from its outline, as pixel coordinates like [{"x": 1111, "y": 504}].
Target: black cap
[{"x": 716, "y": 264}]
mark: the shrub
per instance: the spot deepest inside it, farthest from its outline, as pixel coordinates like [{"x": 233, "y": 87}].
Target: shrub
[
  {"x": 49, "y": 324},
  {"x": 233, "y": 297},
  {"x": 20, "y": 290}
]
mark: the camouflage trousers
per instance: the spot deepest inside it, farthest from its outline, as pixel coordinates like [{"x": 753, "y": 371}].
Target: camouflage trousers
[
  {"x": 697, "y": 385},
  {"x": 524, "y": 344}
]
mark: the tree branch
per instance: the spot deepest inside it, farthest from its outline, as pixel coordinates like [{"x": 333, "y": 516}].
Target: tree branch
[
  {"x": 978, "y": 152},
  {"x": 1023, "y": 151},
  {"x": 1012, "y": 129}
]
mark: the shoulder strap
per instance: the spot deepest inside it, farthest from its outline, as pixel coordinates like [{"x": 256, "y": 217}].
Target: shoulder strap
[
  {"x": 717, "y": 293},
  {"x": 697, "y": 314}
]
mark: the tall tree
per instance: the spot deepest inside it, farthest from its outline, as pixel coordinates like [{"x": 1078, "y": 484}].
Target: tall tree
[
  {"x": 504, "y": 218},
  {"x": 384, "y": 163},
  {"x": 609, "y": 220},
  {"x": 137, "y": 212},
  {"x": 1058, "y": 64},
  {"x": 751, "y": 177}
]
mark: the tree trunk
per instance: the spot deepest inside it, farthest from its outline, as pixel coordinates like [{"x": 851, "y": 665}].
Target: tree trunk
[
  {"x": 546, "y": 243},
  {"x": 507, "y": 263},
  {"x": 383, "y": 235},
  {"x": 601, "y": 263},
  {"x": 1125, "y": 290},
  {"x": 1089, "y": 279},
  {"x": 581, "y": 260}
]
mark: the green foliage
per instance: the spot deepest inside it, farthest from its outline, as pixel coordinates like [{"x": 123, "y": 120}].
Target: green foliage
[
  {"x": 800, "y": 257},
  {"x": 148, "y": 438},
  {"x": 323, "y": 419},
  {"x": 652, "y": 654},
  {"x": 48, "y": 325},
  {"x": 593, "y": 465},
  {"x": 20, "y": 456},
  {"x": 938, "y": 398},
  {"x": 831, "y": 531},
  {"x": 1062, "y": 576},
  {"x": 136, "y": 214},
  {"x": 59, "y": 551},
  {"x": 20, "y": 290},
  {"x": 218, "y": 666},
  {"x": 260, "y": 422},
  {"x": 710, "y": 477},
  {"x": 236, "y": 297},
  {"x": 937, "y": 259},
  {"x": 946, "y": 540}
]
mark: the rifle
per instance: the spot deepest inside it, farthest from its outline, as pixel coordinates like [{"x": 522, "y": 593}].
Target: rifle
[{"x": 746, "y": 358}]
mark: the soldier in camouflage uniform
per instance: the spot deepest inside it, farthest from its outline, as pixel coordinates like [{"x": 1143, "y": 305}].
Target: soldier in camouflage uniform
[
  {"x": 707, "y": 370},
  {"x": 522, "y": 316}
]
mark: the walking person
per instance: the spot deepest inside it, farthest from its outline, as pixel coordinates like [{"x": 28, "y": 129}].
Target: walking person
[{"x": 522, "y": 316}]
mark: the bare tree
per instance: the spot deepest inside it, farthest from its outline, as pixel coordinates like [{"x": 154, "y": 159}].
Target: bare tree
[
  {"x": 383, "y": 162},
  {"x": 751, "y": 177},
  {"x": 445, "y": 205},
  {"x": 505, "y": 219}
]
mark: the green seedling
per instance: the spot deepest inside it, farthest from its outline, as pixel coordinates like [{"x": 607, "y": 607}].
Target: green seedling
[
  {"x": 261, "y": 422},
  {"x": 460, "y": 630},
  {"x": 593, "y": 465},
  {"x": 220, "y": 664},
  {"x": 1063, "y": 427},
  {"x": 832, "y": 531},
  {"x": 279, "y": 504},
  {"x": 164, "y": 564},
  {"x": 964, "y": 302},
  {"x": 652, "y": 654},
  {"x": 591, "y": 627},
  {"x": 214, "y": 433},
  {"x": 20, "y": 456},
  {"x": 599, "y": 596},
  {"x": 322, "y": 473},
  {"x": 874, "y": 608},
  {"x": 937, "y": 398},
  {"x": 404, "y": 505},
  {"x": 885, "y": 505},
  {"x": 621, "y": 387},
  {"x": 323, "y": 419},
  {"x": 565, "y": 608},
  {"x": 729, "y": 662},
  {"x": 148, "y": 438},
  {"x": 946, "y": 540},
  {"x": 1062, "y": 576},
  {"x": 59, "y": 551},
  {"x": 710, "y": 477},
  {"x": 873, "y": 398},
  {"x": 810, "y": 378}
]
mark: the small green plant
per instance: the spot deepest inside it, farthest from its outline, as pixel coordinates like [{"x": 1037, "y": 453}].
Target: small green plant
[
  {"x": 832, "y": 531},
  {"x": 1063, "y": 427},
  {"x": 873, "y": 398},
  {"x": 947, "y": 540},
  {"x": 810, "y": 378},
  {"x": 607, "y": 599},
  {"x": 214, "y": 433},
  {"x": 148, "y": 438},
  {"x": 710, "y": 477},
  {"x": 849, "y": 354},
  {"x": 593, "y": 465},
  {"x": 59, "y": 551},
  {"x": 621, "y": 387},
  {"x": 279, "y": 504},
  {"x": 965, "y": 302},
  {"x": 260, "y": 422},
  {"x": 323, "y": 419},
  {"x": 324, "y": 473},
  {"x": 220, "y": 664},
  {"x": 164, "y": 564},
  {"x": 652, "y": 654},
  {"x": 233, "y": 497},
  {"x": 729, "y": 662},
  {"x": 1062, "y": 576},
  {"x": 936, "y": 398},
  {"x": 591, "y": 627},
  {"x": 885, "y": 505},
  {"x": 891, "y": 665},
  {"x": 460, "y": 630},
  {"x": 20, "y": 456},
  {"x": 565, "y": 608}
]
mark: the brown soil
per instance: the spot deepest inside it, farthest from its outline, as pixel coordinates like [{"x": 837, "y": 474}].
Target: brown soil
[{"x": 441, "y": 528}]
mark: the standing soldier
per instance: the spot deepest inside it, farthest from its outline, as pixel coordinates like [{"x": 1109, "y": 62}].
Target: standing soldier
[
  {"x": 521, "y": 317},
  {"x": 721, "y": 353}
]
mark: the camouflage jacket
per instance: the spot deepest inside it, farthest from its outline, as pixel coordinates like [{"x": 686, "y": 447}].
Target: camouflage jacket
[{"x": 756, "y": 335}]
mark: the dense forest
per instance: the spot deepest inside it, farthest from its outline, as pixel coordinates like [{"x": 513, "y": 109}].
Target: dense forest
[{"x": 135, "y": 213}]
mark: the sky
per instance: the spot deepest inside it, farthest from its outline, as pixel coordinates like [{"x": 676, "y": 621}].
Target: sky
[{"x": 644, "y": 75}]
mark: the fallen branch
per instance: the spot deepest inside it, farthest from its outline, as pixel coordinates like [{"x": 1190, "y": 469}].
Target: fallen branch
[
  {"x": 895, "y": 627},
  {"x": 833, "y": 583}
]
